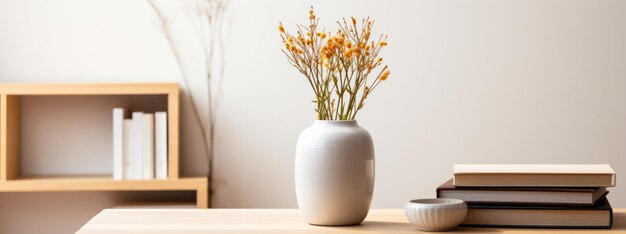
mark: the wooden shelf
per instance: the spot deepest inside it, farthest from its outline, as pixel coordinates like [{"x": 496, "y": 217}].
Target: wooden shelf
[
  {"x": 97, "y": 183},
  {"x": 10, "y": 114},
  {"x": 88, "y": 88},
  {"x": 11, "y": 179},
  {"x": 53, "y": 184}
]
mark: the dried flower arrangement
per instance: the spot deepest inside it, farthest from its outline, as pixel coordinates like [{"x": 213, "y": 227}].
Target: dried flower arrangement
[{"x": 337, "y": 66}]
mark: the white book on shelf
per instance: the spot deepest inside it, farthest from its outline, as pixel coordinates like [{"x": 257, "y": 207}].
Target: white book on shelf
[
  {"x": 127, "y": 149},
  {"x": 136, "y": 157},
  {"x": 160, "y": 144},
  {"x": 147, "y": 147},
  {"x": 118, "y": 142}
]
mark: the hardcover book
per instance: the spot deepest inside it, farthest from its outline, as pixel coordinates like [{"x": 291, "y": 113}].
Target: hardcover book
[
  {"x": 522, "y": 195},
  {"x": 598, "y": 216},
  {"x": 147, "y": 147},
  {"x": 136, "y": 157},
  {"x": 534, "y": 175},
  {"x": 160, "y": 144},
  {"x": 118, "y": 143}
]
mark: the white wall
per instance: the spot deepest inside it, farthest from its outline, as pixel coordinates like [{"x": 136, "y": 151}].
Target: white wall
[{"x": 472, "y": 82}]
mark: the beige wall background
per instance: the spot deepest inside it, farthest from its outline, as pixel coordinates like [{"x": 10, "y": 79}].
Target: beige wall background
[{"x": 472, "y": 82}]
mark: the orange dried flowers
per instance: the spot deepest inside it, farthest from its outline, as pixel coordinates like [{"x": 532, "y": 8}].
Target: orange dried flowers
[{"x": 337, "y": 66}]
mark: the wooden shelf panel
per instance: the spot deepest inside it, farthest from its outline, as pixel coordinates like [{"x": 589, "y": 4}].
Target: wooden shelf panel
[
  {"x": 87, "y": 88},
  {"x": 61, "y": 184},
  {"x": 9, "y": 136}
]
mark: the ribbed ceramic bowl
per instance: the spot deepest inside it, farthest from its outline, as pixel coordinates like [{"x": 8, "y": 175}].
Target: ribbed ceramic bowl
[{"x": 435, "y": 214}]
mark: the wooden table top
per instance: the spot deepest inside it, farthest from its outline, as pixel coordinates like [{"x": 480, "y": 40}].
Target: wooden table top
[{"x": 270, "y": 221}]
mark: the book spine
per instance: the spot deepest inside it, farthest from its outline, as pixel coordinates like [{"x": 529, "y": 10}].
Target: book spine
[
  {"x": 127, "y": 148},
  {"x": 160, "y": 144},
  {"x": 118, "y": 141},
  {"x": 136, "y": 158},
  {"x": 148, "y": 146}
]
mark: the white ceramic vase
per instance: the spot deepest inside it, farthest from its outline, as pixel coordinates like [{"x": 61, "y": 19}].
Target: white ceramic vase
[{"x": 334, "y": 173}]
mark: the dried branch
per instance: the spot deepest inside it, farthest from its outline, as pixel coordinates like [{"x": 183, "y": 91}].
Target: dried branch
[
  {"x": 337, "y": 66},
  {"x": 211, "y": 20}
]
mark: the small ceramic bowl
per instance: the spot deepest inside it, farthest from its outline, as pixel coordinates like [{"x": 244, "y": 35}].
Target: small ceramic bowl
[{"x": 436, "y": 214}]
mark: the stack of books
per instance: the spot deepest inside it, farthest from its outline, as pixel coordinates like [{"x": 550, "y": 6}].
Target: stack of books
[
  {"x": 536, "y": 196},
  {"x": 139, "y": 145}
]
